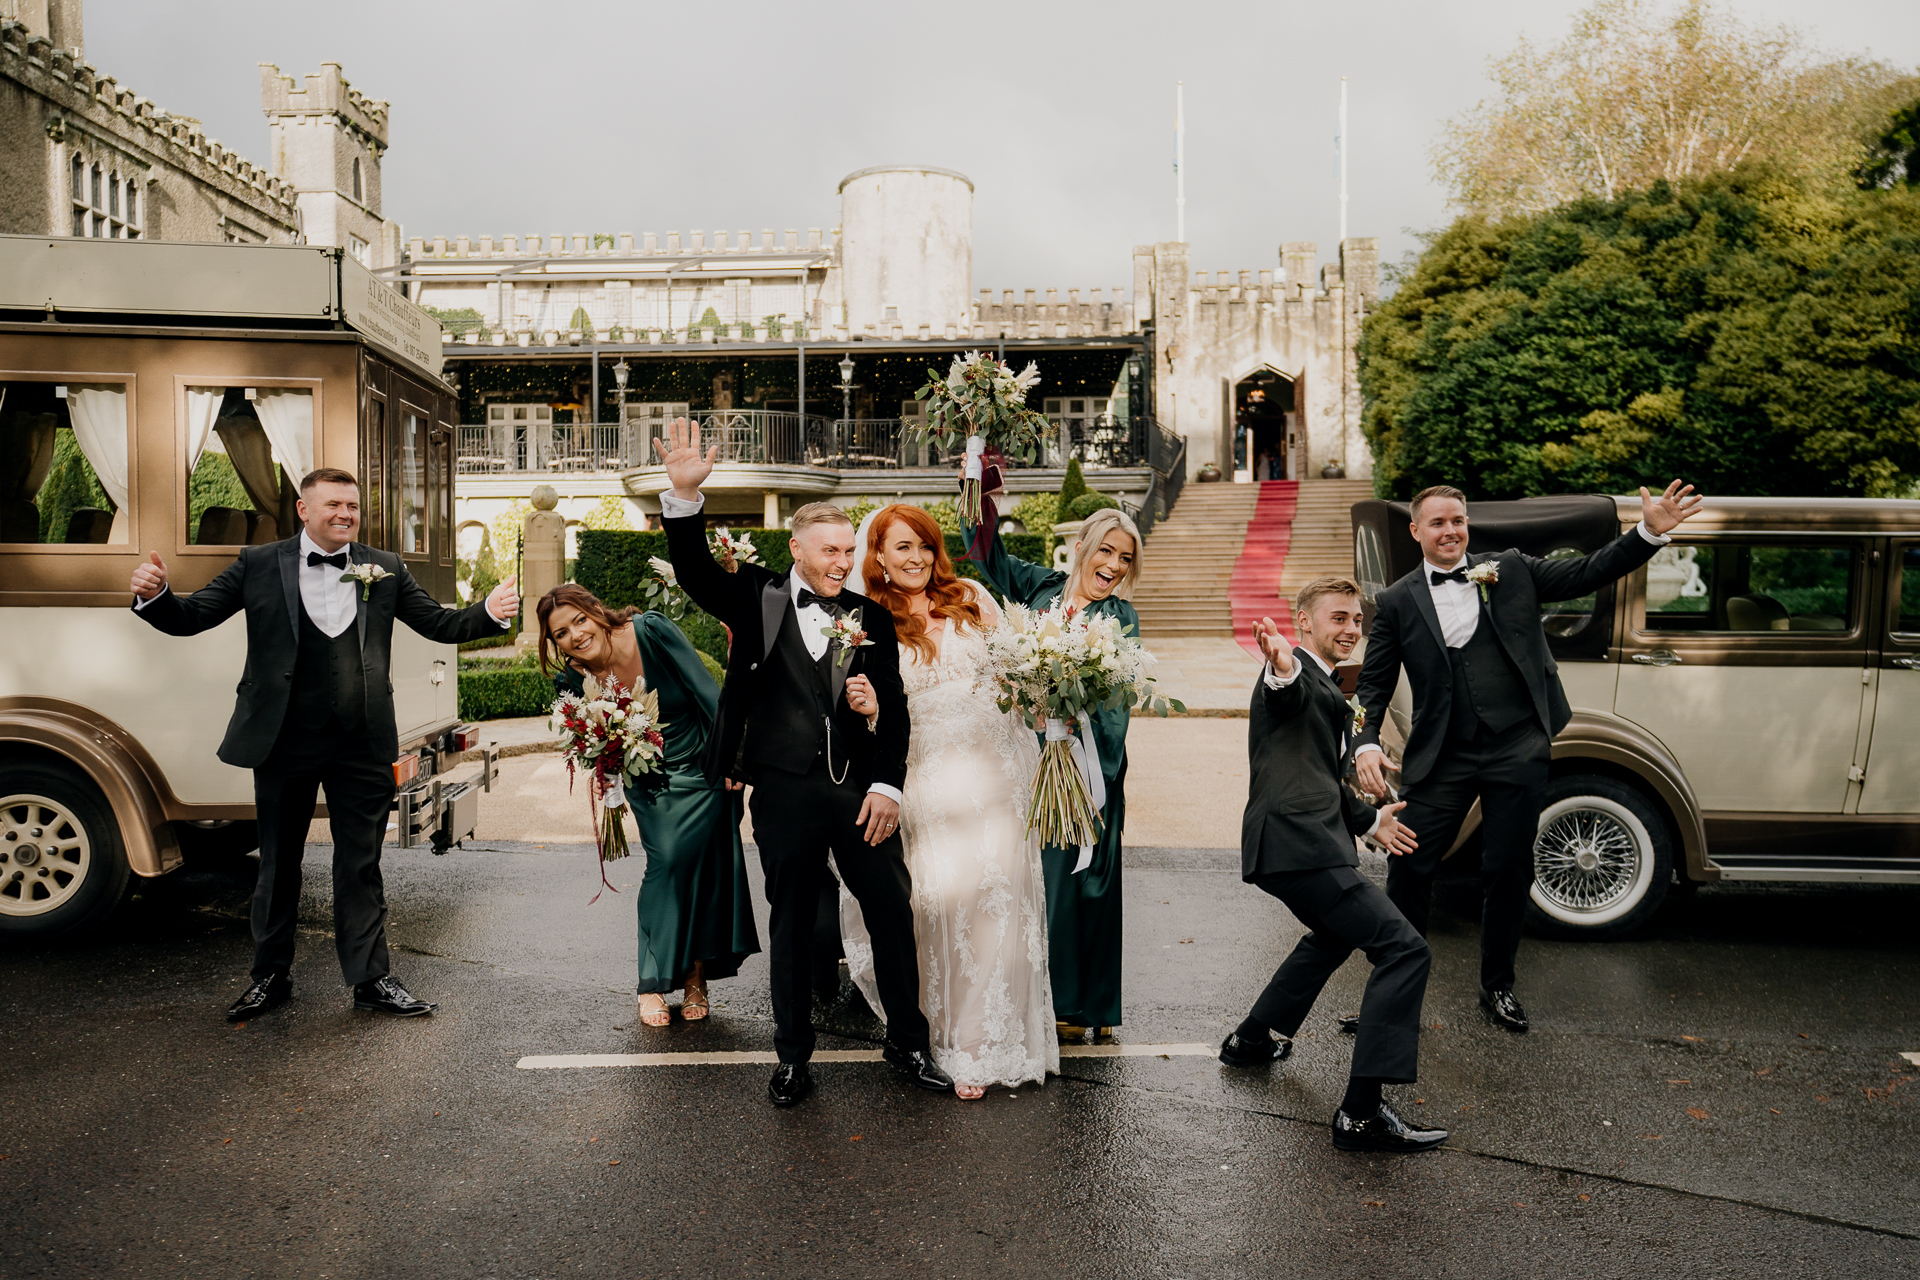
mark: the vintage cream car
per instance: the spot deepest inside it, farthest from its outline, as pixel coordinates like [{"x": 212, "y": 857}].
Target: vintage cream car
[
  {"x": 168, "y": 397},
  {"x": 1745, "y": 707}
]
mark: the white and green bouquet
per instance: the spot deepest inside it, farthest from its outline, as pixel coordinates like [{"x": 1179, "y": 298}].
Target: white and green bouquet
[
  {"x": 1056, "y": 668},
  {"x": 983, "y": 401}
]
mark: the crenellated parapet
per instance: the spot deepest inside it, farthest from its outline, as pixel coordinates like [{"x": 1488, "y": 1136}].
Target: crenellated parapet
[
  {"x": 1043, "y": 313},
  {"x": 582, "y": 244},
  {"x": 325, "y": 93}
]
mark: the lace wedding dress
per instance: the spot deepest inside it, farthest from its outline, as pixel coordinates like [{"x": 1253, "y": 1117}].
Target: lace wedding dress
[{"x": 979, "y": 897}]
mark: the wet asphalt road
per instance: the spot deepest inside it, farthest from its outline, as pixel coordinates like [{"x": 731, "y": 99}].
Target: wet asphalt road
[{"x": 1722, "y": 1096}]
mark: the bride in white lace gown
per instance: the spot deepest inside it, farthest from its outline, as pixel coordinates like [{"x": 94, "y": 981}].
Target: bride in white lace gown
[{"x": 979, "y": 896}]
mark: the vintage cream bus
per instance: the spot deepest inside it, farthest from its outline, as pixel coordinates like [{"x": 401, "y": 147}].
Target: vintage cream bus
[{"x": 168, "y": 397}]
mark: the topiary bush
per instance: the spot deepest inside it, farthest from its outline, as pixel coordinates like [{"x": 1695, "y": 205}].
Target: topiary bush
[
  {"x": 1072, "y": 485},
  {"x": 1088, "y": 503}
]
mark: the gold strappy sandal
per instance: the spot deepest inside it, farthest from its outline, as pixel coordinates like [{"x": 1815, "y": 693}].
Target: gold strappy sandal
[
  {"x": 693, "y": 1006},
  {"x": 655, "y": 1014}
]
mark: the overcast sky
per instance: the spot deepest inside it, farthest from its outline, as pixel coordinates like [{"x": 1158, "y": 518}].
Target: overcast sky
[{"x": 516, "y": 118}]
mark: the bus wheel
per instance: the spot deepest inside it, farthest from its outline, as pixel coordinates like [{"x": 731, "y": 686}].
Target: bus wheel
[{"x": 63, "y": 867}]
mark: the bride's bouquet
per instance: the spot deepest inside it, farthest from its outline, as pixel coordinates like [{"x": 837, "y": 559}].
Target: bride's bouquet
[
  {"x": 1057, "y": 666},
  {"x": 613, "y": 736},
  {"x": 982, "y": 400}
]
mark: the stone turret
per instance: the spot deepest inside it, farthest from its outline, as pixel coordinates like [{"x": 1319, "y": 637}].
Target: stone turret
[
  {"x": 60, "y": 21},
  {"x": 327, "y": 142},
  {"x": 906, "y": 249}
]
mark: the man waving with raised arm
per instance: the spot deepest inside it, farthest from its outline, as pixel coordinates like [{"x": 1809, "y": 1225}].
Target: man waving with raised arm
[{"x": 1487, "y": 702}]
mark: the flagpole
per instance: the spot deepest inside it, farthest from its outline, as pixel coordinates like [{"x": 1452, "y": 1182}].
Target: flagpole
[
  {"x": 1340, "y": 145},
  {"x": 1180, "y": 160}
]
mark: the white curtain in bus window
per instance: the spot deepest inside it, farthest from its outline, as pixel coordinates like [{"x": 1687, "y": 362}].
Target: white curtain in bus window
[
  {"x": 287, "y": 416},
  {"x": 99, "y": 415},
  {"x": 412, "y": 487},
  {"x": 203, "y": 406}
]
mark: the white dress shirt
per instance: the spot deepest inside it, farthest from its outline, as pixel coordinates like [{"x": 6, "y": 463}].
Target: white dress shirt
[
  {"x": 813, "y": 619},
  {"x": 1457, "y": 604},
  {"x": 1281, "y": 682}
]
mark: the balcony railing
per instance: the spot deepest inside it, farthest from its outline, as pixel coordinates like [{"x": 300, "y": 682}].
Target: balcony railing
[{"x": 768, "y": 438}]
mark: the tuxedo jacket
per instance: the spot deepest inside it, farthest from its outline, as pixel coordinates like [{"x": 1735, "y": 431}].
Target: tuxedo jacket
[
  {"x": 1406, "y": 632},
  {"x": 265, "y": 582},
  {"x": 1299, "y": 815},
  {"x": 756, "y": 605}
]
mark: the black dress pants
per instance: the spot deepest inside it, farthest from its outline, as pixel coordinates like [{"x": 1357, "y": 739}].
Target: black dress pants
[
  {"x": 797, "y": 820},
  {"x": 1507, "y": 773},
  {"x": 1344, "y": 912},
  {"x": 359, "y": 788}
]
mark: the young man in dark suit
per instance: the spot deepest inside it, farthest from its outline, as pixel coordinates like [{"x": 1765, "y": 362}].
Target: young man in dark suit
[
  {"x": 1297, "y": 843},
  {"x": 823, "y": 779},
  {"x": 1487, "y": 702},
  {"x": 316, "y": 710}
]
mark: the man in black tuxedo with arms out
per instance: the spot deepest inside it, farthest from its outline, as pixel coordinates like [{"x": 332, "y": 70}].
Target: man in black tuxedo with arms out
[
  {"x": 316, "y": 710},
  {"x": 1487, "y": 702},
  {"x": 823, "y": 779},
  {"x": 1296, "y": 843}
]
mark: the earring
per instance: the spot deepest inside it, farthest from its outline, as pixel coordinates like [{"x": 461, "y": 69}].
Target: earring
[{"x": 887, "y": 576}]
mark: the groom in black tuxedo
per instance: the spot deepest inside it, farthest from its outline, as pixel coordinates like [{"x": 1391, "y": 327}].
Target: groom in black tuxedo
[
  {"x": 1487, "y": 702},
  {"x": 315, "y": 710},
  {"x": 823, "y": 779},
  {"x": 1296, "y": 843}
]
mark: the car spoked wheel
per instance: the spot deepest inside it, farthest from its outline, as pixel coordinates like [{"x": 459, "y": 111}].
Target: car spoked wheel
[
  {"x": 63, "y": 867},
  {"x": 44, "y": 855},
  {"x": 1602, "y": 859}
]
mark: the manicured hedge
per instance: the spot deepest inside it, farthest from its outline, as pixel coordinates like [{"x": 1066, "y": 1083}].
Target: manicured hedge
[{"x": 507, "y": 691}]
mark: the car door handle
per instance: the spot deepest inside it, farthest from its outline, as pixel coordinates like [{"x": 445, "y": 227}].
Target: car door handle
[
  {"x": 1911, "y": 664},
  {"x": 1658, "y": 658}
]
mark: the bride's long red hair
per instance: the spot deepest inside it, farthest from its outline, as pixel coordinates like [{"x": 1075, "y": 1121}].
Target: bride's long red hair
[{"x": 949, "y": 596}]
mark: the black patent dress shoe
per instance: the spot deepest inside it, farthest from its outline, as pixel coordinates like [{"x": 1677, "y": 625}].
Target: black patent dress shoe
[
  {"x": 1383, "y": 1131},
  {"x": 1238, "y": 1051},
  {"x": 1349, "y": 1024},
  {"x": 1504, "y": 1009},
  {"x": 790, "y": 1084},
  {"x": 384, "y": 995},
  {"x": 918, "y": 1066},
  {"x": 266, "y": 993}
]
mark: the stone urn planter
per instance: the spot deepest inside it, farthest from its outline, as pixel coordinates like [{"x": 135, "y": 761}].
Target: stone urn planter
[
  {"x": 1333, "y": 471},
  {"x": 1209, "y": 473},
  {"x": 1066, "y": 531}
]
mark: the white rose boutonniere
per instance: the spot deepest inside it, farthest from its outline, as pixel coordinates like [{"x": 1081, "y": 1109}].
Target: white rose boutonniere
[
  {"x": 1483, "y": 576},
  {"x": 366, "y": 575}
]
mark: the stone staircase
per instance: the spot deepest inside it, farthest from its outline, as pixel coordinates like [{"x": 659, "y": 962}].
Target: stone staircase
[
  {"x": 1322, "y": 544},
  {"x": 1188, "y": 561}
]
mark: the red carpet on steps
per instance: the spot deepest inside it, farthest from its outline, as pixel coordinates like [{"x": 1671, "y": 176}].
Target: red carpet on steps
[{"x": 1256, "y": 575}]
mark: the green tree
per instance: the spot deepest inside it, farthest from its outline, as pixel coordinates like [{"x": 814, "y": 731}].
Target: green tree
[
  {"x": 69, "y": 486},
  {"x": 581, "y": 321},
  {"x": 1893, "y": 157},
  {"x": 457, "y": 320},
  {"x": 1741, "y": 331},
  {"x": 1072, "y": 485}
]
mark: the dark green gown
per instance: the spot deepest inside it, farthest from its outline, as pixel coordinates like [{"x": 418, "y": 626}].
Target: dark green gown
[
  {"x": 1083, "y": 911},
  {"x": 694, "y": 901}
]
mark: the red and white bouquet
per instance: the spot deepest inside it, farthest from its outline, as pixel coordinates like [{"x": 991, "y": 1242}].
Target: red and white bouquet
[{"x": 615, "y": 737}]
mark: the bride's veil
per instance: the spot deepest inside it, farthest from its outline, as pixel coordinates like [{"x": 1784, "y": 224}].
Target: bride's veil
[{"x": 857, "y": 580}]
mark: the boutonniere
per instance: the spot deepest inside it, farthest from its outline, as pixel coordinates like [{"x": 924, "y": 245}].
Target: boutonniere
[
  {"x": 1359, "y": 713},
  {"x": 1483, "y": 576},
  {"x": 366, "y": 575},
  {"x": 845, "y": 636}
]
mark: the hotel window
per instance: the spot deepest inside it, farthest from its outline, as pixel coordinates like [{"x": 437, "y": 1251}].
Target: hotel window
[
  {"x": 105, "y": 204},
  {"x": 359, "y": 249},
  {"x": 358, "y": 190}
]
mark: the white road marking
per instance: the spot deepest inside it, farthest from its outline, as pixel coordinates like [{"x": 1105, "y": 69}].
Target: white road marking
[
  {"x": 565, "y": 1061},
  {"x": 1914, "y": 1058}
]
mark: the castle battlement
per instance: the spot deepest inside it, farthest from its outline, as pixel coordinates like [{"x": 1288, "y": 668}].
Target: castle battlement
[
  {"x": 82, "y": 94},
  {"x": 324, "y": 93},
  {"x": 1042, "y": 313},
  {"x": 581, "y": 244}
]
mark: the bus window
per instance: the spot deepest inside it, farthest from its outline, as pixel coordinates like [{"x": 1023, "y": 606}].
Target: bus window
[
  {"x": 410, "y": 482},
  {"x": 247, "y": 450},
  {"x": 63, "y": 462}
]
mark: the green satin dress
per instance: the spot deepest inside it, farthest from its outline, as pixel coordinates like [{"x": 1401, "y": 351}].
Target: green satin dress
[
  {"x": 1083, "y": 911},
  {"x": 694, "y": 901}
]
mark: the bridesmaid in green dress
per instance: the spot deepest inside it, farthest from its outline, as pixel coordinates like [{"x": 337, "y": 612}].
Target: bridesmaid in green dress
[
  {"x": 696, "y": 913},
  {"x": 1083, "y": 911}
]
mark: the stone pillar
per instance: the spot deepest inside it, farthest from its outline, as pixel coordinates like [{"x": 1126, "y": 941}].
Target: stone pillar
[
  {"x": 543, "y": 558},
  {"x": 770, "y": 509}
]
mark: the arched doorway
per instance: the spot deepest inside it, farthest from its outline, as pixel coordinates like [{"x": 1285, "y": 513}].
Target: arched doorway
[{"x": 1262, "y": 409}]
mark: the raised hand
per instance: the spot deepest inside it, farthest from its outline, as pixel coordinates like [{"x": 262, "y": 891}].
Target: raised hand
[
  {"x": 150, "y": 579},
  {"x": 680, "y": 453},
  {"x": 1665, "y": 512},
  {"x": 503, "y": 602},
  {"x": 1266, "y": 634},
  {"x": 1390, "y": 835}
]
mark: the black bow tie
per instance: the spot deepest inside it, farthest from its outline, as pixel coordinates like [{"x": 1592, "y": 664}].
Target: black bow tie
[
  {"x": 338, "y": 559},
  {"x": 1436, "y": 577},
  {"x": 828, "y": 603}
]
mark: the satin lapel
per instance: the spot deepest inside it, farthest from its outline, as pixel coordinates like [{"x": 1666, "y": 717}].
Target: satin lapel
[
  {"x": 357, "y": 554},
  {"x": 1423, "y": 601},
  {"x": 776, "y": 601},
  {"x": 290, "y": 582}
]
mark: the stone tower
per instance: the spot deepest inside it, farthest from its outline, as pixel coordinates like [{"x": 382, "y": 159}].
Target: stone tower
[
  {"x": 906, "y": 249},
  {"x": 327, "y": 139},
  {"x": 60, "y": 21}
]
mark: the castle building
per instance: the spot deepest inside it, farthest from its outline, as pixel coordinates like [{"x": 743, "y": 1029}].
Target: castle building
[{"x": 82, "y": 156}]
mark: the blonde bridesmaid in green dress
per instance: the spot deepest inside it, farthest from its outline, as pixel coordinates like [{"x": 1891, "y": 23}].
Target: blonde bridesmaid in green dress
[{"x": 696, "y": 913}]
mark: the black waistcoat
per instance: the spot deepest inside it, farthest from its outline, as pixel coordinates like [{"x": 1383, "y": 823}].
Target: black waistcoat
[
  {"x": 329, "y": 681},
  {"x": 1488, "y": 692},
  {"x": 788, "y": 728}
]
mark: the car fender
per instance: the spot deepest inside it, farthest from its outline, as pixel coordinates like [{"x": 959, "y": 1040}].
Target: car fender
[{"x": 109, "y": 756}]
